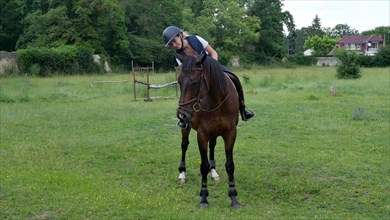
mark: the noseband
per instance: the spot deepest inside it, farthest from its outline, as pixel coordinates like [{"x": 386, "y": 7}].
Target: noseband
[{"x": 197, "y": 100}]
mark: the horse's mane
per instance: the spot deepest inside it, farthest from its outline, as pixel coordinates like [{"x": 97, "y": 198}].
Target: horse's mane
[
  {"x": 187, "y": 65},
  {"x": 211, "y": 66},
  {"x": 216, "y": 73}
]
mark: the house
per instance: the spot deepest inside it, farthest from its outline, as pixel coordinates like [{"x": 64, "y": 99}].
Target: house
[
  {"x": 366, "y": 45},
  {"x": 308, "y": 52}
]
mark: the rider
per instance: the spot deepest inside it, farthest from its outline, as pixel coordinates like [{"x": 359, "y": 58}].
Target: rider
[{"x": 194, "y": 44}]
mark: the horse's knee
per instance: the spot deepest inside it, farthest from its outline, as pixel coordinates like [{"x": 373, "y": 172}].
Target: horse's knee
[{"x": 184, "y": 144}]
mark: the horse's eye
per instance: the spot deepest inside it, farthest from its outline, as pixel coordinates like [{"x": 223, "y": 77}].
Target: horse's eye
[{"x": 194, "y": 81}]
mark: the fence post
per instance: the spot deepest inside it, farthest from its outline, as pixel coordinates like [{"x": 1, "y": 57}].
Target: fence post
[
  {"x": 177, "y": 83},
  {"x": 148, "y": 84}
]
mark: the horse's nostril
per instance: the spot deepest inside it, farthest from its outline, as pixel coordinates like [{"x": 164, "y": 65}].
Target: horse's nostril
[{"x": 181, "y": 116}]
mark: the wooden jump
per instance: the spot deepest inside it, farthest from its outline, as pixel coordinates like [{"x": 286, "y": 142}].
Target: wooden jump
[
  {"x": 108, "y": 81},
  {"x": 147, "y": 83}
]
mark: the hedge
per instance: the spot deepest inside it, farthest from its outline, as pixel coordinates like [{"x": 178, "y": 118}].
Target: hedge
[{"x": 67, "y": 59}]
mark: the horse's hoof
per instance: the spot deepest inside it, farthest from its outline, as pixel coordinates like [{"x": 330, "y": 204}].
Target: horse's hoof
[
  {"x": 203, "y": 205},
  {"x": 214, "y": 175},
  {"x": 215, "y": 178},
  {"x": 181, "y": 180},
  {"x": 235, "y": 205}
]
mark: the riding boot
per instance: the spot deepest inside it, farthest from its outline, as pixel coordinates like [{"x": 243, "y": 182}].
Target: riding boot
[{"x": 246, "y": 115}]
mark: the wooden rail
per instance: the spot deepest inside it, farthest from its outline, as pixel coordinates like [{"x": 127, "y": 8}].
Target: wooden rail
[{"x": 148, "y": 84}]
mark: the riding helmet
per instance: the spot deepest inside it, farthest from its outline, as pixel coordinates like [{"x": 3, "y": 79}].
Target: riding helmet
[{"x": 170, "y": 33}]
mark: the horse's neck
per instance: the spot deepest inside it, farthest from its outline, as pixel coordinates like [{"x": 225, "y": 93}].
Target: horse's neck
[{"x": 216, "y": 95}]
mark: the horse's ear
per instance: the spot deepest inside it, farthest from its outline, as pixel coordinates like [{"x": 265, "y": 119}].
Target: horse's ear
[
  {"x": 200, "y": 59},
  {"x": 180, "y": 57}
]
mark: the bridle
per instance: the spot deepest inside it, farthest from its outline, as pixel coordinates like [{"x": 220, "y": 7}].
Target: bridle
[{"x": 197, "y": 100}]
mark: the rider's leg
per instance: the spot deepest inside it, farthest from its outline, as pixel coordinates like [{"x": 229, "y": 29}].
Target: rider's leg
[{"x": 245, "y": 114}]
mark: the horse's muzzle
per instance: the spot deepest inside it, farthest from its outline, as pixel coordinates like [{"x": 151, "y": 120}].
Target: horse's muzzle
[{"x": 183, "y": 119}]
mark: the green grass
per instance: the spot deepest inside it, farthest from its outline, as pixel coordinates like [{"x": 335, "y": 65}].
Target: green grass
[{"x": 70, "y": 150}]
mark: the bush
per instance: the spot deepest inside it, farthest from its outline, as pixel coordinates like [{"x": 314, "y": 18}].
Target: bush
[
  {"x": 224, "y": 57},
  {"x": 29, "y": 59},
  {"x": 366, "y": 61},
  {"x": 382, "y": 58},
  {"x": 288, "y": 64},
  {"x": 302, "y": 60},
  {"x": 349, "y": 69},
  {"x": 65, "y": 59},
  {"x": 85, "y": 61}
]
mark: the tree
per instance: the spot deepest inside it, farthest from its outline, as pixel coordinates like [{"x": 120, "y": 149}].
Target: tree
[
  {"x": 383, "y": 31},
  {"x": 292, "y": 36},
  {"x": 225, "y": 24},
  {"x": 89, "y": 23},
  {"x": 304, "y": 33},
  {"x": 200, "y": 12},
  {"x": 11, "y": 25},
  {"x": 341, "y": 30},
  {"x": 315, "y": 28},
  {"x": 109, "y": 23},
  {"x": 145, "y": 21},
  {"x": 270, "y": 44},
  {"x": 51, "y": 29},
  {"x": 321, "y": 45}
]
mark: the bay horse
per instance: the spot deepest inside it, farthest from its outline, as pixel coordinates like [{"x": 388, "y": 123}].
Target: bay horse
[{"x": 209, "y": 104}]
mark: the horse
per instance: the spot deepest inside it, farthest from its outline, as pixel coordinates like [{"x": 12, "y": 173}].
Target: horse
[{"x": 208, "y": 104}]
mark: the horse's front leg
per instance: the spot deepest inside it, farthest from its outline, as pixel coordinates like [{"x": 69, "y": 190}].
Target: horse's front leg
[
  {"x": 204, "y": 170},
  {"x": 213, "y": 170},
  {"x": 184, "y": 146},
  {"x": 229, "y": 145}
]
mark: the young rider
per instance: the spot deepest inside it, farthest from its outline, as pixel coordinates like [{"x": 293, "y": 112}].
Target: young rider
[{"x": 194, "y": 44}]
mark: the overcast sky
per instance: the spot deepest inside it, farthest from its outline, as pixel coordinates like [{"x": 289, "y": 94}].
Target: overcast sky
[{"x": 361, "y": 15}]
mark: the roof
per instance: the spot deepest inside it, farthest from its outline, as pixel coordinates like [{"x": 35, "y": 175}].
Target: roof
[
  {"x": 359, "y": 39},
  {"x": 308, "y": 52}
]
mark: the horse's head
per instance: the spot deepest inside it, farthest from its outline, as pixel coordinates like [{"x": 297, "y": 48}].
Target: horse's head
[{"x": 190, "y": 82}]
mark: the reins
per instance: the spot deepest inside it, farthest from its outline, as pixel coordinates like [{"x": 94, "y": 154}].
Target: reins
[{"x": 214, "y": 109}]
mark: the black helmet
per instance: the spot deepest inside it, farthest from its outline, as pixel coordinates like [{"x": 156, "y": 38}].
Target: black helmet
[{"x": 170, "y": 33}]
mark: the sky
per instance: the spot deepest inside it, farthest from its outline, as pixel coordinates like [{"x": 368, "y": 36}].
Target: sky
[{"x": 361, "y": 15}]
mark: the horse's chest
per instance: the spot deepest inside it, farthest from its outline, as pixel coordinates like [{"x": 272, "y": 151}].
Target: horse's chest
[{"x": 206, "y": 122}]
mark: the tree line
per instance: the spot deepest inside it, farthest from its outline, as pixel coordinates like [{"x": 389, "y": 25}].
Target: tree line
[{"x": 126, "y": 30}]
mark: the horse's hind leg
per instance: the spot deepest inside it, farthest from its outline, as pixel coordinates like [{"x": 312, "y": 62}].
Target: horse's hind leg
[
  {"x": 184, "y": 146},
  {"x": 214, "y": 174}
]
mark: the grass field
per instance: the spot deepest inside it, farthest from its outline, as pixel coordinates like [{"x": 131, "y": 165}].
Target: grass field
[{"x": 70, "y": 150}]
